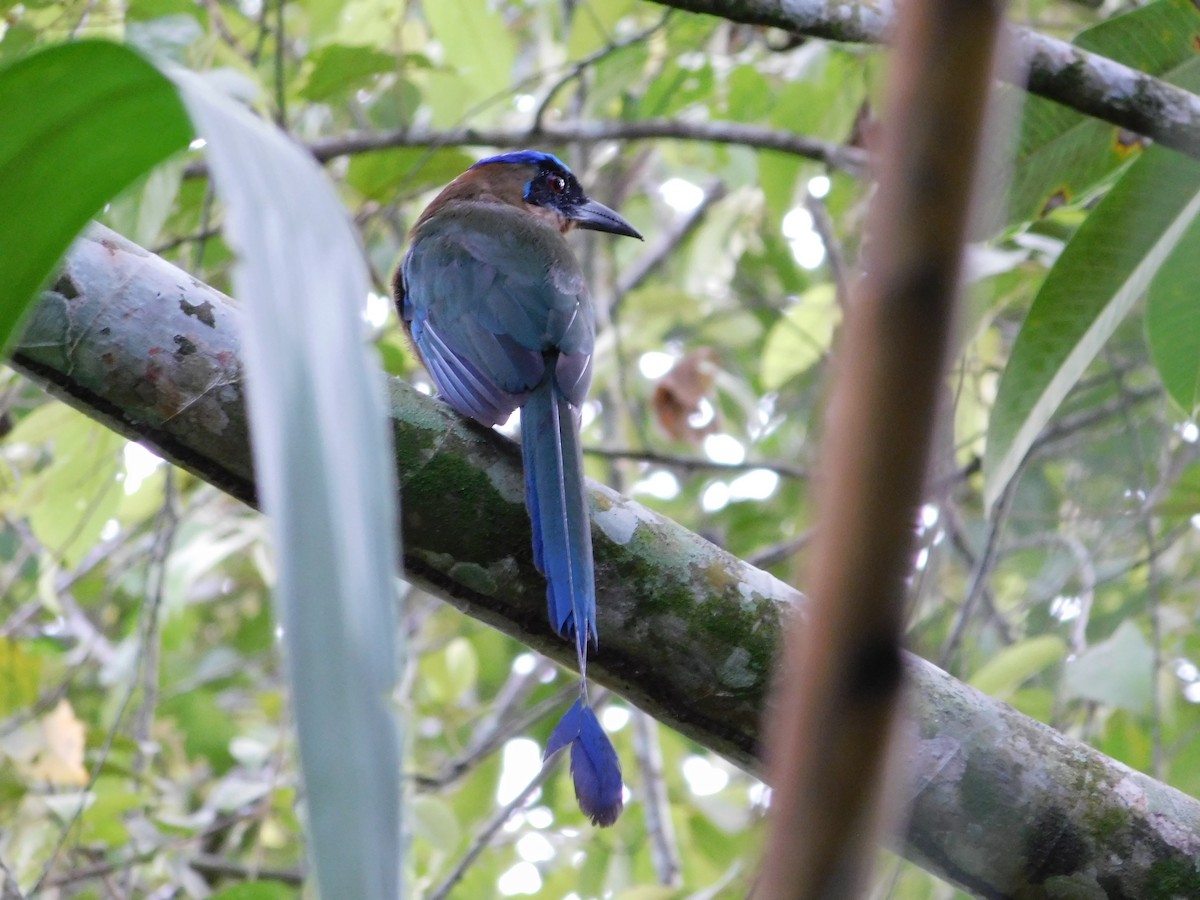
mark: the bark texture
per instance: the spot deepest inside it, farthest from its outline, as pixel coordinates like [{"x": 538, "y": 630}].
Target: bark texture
[
  {"x": 1054, "y": 69},
  {"x": 1001, "y": 804}
]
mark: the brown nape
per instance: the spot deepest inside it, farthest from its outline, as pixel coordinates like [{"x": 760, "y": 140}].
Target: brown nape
[
  {"x": 494, "y": 183},
  {"x": 398, "y": 287}
]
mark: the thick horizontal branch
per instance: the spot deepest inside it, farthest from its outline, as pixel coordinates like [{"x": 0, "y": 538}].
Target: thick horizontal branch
[
  {"x": 849, "y": 159},
  {"x": 1051, "y": 68},
  {"x": 1001, "y": 804}
]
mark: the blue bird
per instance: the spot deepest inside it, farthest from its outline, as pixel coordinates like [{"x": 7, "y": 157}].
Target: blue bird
[{"x": 496, "y": 306}]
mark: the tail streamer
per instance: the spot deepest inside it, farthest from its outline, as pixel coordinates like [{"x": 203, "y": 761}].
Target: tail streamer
[
  {"x": 562, "y": 549},
  {"x": 595, "y": 767}
]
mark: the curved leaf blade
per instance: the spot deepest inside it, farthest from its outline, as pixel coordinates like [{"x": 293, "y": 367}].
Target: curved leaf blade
[
  {"x": 1172, "y": 323},
  {"x": 69, "y": 144},
  {"x": 1013, "y": 666},
  {"x": 325, "y": 477},
  {"x": 1102, "y": 272}
]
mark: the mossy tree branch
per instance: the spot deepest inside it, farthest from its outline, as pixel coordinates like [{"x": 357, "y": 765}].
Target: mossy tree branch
[{"x": 1000, "y": 803}]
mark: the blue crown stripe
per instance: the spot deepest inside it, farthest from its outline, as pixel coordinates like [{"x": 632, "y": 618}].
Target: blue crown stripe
[{"x": 524, "y": 158}]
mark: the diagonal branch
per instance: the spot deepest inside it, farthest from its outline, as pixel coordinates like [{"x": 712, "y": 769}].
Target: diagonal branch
[
  {"x": 1000, "y": 802},
  {"x": 1051, "y": 68}
]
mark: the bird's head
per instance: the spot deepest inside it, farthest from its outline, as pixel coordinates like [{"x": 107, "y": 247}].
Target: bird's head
[{"x": 542, "y": 185}]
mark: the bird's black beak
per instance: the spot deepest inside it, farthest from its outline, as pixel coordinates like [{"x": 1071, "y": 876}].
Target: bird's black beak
[{"x": 598, "y": 217}]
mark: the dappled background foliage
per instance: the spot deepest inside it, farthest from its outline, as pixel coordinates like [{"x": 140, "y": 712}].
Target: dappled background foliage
[{"x": 138, "y": 659}]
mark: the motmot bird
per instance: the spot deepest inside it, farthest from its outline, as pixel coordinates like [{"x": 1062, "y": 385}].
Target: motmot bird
[{"x": 497, "y": 308}]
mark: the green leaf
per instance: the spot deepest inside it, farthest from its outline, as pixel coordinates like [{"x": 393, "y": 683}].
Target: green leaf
[
  {"x": 20, "y": 675},
  {"x": 751, "y": 96},
  {"x": 1127, "y": 739},
  {"x": 824, "y": 100},
  {"x": 325, "y": 477},
  {"x": 1172, "y": 323},
  {"x": 1117, "y": 672},
  {"x": 1102, "y": 272},
  {"x": 595, "y": 26},
  {"x": 336, "y": 69},
  {"x": 800, "y": 337},
  {"x": 69, "y": 501},
  {"x": 677, "y": 87},
  {"x": 1014, "y": 665},
  {"x": 434, "y": 820},
  {"x": 69, "y": 144},
  {"x": 256, "y": 890},
  {"x": 206, "y": 727},
  {"x": 777, "y": 174},
  {"x": 476, "y": 41},
  {"x": 104, "y": 820},
  {"x": 462, "y": 666},
  {"x": 385, "y": 173}
]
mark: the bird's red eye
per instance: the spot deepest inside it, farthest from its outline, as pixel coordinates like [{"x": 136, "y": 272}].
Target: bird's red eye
[{"x": 557, "y": 183}]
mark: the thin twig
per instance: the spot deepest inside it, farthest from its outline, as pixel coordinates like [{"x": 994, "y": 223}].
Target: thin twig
[
  {"x": 665, "y": 246},
  {"x": 97, "y": 768},
  {"x": 781, "y": 552},
  {"x": 957, "y": 533},
  {"x": 848, "y": 159},
  {"x": 982, "y": 571},
  {"x": 496, "y": 822},
  {"x": 1068, "y": 425},
  {"x": 168, "y": 245},
  {"x": 1146, "y": 522},
  {"x": 656, "y": 806},
  {"x": 156, "y": 578},
  {"x": 834, "y": 256},
  {"x": 577, "y": 68},
  {"x": 493, "y": 825},
  {"x": 9, "y": 888},
  {"x": 213, "y": 866},
  {"x": 782, "y": 469},
  {"x": 491, "y": 739}
]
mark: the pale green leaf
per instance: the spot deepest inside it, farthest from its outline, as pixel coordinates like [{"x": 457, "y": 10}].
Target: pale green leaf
[
  {"x": 1016, "y": 664},
  {"x": 434, "y": 821},
  {"x": 1116, "y": 672},
  {"x": 462, "y": 665},
  {"x": 475, "y": 40},
  {"x": 69, "y": 500},
  {"x": 594, "y": 27},
  {"x": 800, "y": 337}
]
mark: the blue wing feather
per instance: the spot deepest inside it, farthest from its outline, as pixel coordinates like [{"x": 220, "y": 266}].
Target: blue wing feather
[{"x": 464, "y": 386}]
